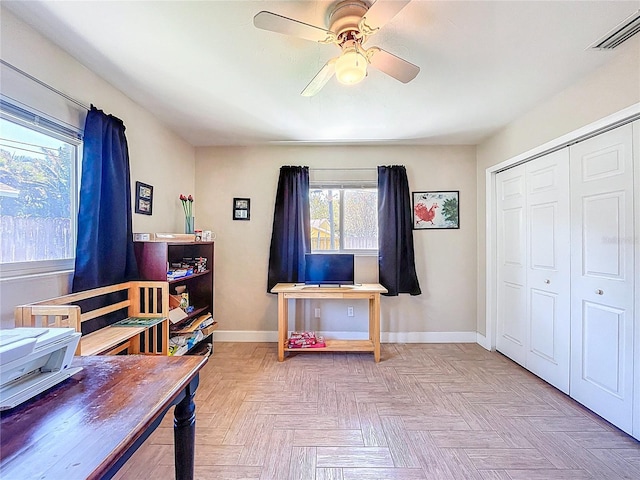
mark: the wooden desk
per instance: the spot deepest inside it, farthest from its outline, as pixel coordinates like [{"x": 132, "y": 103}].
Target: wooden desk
[
  {"x": 89, "y": 425},
  {"x": 370, "y": 291}
]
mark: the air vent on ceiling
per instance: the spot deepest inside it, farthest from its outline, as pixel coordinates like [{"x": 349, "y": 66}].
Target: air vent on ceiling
[{"x": 621, "y": 33}]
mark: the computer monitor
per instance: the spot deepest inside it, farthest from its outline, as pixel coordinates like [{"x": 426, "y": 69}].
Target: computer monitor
[{"x": 329, "y": 269}]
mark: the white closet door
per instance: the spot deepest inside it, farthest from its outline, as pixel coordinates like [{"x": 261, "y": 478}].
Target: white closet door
[
  {"x": 548, "y": 268},
  {"x": 602, "y": 241},
  {"x": 511, "y": 338}
]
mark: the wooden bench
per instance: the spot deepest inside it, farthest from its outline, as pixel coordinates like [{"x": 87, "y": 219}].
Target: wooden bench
[{"x": 144, "y": 300}]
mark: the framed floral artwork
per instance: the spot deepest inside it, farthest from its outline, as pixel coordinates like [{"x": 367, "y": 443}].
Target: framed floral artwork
[{"x": 436, "y": 210}]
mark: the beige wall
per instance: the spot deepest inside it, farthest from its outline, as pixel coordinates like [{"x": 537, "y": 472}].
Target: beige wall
[
  {"x": 445, "y": 259},
  {"x": 608, "y": 90},
  {"x": 157, "y": 155},
  {"x": 451, "y": 264}
]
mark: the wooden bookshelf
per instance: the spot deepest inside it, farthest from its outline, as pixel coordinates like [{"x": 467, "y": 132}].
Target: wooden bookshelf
[{"x": 156, "y": 257}]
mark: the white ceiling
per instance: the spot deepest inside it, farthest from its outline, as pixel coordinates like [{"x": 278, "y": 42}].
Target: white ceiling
[{"x": 215, "y": 79}]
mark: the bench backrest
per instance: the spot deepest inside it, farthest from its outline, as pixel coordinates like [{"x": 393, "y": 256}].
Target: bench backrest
[{"x": 144, "y": 299}]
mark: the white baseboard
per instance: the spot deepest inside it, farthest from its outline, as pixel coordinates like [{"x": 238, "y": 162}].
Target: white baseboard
[
  {"x": 246, "y": 336},
  {"x": 428, "y": 337},
  {"x": 385, "y": 337}
]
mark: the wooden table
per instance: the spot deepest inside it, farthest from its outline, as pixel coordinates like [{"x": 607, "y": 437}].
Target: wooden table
[
  {"x": 89, "y": 425},
  {"x": 370, "y": 291}
]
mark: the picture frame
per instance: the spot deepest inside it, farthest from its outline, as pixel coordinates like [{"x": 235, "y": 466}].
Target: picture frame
[
  {"x": 436, "y": 210},
  {"x": 241, "y": 209},
  {"x": 144, "y": 198}
]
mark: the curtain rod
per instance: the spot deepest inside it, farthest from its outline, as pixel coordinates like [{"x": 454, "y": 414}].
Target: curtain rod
[
  {"x": 354, "y": 168},
  {"x": 46, "y": 85}
]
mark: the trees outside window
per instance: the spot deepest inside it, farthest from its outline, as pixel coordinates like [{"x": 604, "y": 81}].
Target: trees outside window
[
  {"x": 343, "y": 219},
  {"x": 37, "y": 194}
]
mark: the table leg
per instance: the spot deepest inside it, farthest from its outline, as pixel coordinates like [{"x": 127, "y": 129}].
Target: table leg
[
  {"x": 374, "y": 315},
  {"x": 283, "y": 319},
  {"x": 372, "y": 327},
  {"x": 184, "y": 433}
]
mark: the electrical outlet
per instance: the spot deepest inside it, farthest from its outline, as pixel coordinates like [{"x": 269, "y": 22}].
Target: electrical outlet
[
  {"x": 317, "y": 313},
  {"x": 349, "y": 311}
]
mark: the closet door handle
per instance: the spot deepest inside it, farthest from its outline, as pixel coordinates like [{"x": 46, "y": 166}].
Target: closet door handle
[
  {"x": 546, "y": 280},
  {"x": 599, "y": 292}
]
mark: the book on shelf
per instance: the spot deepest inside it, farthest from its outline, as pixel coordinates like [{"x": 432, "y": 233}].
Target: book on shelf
[
  {"x": 305, "y": 340},
  {"x": 198, "y": 323}
]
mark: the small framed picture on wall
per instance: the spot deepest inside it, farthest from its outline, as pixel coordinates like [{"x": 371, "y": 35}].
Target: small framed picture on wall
[
  {"x": 241, "y": 208},
  {"x": 144, "y": 198},
  {"x": 436, "y": 210}
]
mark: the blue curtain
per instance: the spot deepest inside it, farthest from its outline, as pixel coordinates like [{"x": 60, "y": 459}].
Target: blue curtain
[
  {"x": 104, "y": 252},
  {"x": 396, "y": 260},
  {"x": 291, "y": 235}
]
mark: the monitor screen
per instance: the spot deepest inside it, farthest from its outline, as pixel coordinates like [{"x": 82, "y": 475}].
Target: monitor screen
[{"x": 329, "y": 269}]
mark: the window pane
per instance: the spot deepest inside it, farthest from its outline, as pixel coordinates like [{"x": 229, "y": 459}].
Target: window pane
[
  {"x": 36, "y": 195},
  {"x": 324, "y": 207},
  {"x": 343, "y": 219},
  {"x": 360, "y": 219}
]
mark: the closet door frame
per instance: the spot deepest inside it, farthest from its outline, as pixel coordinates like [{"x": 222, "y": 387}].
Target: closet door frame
[
  {"x": 610, "y": 122},
  {"x": 636, "y": 206},
  {"x": 628, "y": 115}
]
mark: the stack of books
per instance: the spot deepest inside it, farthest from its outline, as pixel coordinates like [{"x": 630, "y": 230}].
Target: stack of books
[
  {"x": 185, "y": 336},
  {"x": 179, "y": 273},
  {"x": 306, "y": 340}
]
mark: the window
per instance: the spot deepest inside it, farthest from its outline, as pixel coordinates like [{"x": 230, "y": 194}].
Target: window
[
  {"x": 38, "y": 192},
  {"x": 343, "y": 219}
]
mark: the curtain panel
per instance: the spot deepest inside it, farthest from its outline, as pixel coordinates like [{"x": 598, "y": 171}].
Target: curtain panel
[
  {"x": 396, "y": 259},
  {"x": 104, "y": 251},
  {"x": 291, "y": 234}
]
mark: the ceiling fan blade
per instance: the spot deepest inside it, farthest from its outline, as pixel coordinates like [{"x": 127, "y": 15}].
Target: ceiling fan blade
[
  {"x": 320, "y": 80},
  {"x": 380, "y": 13},
  {"x": 393, "y": 66},
  {"x": 288, "y": 26}
]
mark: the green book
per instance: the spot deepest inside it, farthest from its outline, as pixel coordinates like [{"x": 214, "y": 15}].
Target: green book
[{"x": 138, "y": 322}]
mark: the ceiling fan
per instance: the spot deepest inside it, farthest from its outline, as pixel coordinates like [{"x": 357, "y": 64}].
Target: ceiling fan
[{"x": 351, "y": 22}]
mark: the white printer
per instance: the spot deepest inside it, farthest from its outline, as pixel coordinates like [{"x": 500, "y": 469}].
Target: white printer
[{"x": 33, "y": 360}]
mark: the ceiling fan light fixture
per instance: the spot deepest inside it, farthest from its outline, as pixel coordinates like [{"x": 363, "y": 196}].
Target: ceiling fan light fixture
[{"x": 351, "y": 66}]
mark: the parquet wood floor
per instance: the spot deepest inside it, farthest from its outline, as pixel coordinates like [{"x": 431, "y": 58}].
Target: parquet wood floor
[{"x": 426, "y": 411}]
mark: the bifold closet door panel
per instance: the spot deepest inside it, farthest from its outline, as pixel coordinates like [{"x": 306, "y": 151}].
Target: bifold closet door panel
[
  {"x": 511, "y": 336},
  {"x": 533, "y": 266},
  {"x": 548, "y": 268},
  {"x": 511, "y": 269},
  {"x": 602, "y": 279}
]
